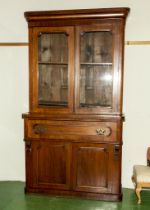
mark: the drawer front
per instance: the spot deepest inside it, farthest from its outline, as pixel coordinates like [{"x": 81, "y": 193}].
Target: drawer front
[{"x": 74, "y": 130}]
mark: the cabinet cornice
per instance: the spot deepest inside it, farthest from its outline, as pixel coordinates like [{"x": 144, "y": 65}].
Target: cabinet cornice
[{"x": 74, "y": 14}]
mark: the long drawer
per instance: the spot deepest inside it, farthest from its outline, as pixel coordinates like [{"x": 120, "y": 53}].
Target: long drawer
[{"x": 45, "y": 129}]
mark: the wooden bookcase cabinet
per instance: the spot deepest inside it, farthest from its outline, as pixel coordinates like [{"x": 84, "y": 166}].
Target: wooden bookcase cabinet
[{"x": 73, "y": 131}]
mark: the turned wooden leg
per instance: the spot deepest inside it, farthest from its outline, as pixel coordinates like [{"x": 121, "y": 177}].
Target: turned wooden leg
[
  {"x": 138, "y": 193},
  {"x": 133, "y": 180}
]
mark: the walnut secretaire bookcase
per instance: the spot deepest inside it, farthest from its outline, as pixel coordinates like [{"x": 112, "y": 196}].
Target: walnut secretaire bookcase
[{"x": 73, "y": 131}]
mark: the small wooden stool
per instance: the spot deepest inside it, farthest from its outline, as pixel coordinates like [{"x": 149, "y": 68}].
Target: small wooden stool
[{"x": 141, "y": 177}]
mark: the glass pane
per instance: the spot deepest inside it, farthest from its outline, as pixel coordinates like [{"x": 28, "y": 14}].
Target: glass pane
[
  {"x": 96, "y": 86},
  {"x": 53, "y": 69},
  {"x": 96, "y": 47},
  {"x": 96, "y": 69}
]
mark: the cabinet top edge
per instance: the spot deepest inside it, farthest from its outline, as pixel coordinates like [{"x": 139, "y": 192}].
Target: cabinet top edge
[
  {"x": 120, "y": 12},
  {"x": 73, "y": 117}
]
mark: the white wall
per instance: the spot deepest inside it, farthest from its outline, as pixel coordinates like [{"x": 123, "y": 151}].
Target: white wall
[{"x": 14, "y": 82}]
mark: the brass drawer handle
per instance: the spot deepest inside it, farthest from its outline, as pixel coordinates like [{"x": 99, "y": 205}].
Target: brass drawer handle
[
  {"x": 40, "y": 129},
  {"x": 100, "y": 131}
]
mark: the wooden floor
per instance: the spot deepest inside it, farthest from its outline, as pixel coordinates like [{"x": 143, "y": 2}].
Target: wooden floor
[{"x": 12, "y": 197}]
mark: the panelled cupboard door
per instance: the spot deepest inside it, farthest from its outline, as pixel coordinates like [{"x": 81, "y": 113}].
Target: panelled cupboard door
[
  {"x": 48, "y": 165},
  {"x": 98, "y": 64},
  {"x": 95, "y": 166},
  {"x": 52, "y": 69}
]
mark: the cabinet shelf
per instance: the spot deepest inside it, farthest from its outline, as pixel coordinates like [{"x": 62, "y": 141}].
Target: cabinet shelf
[
  {"x": 51, "y": 63},
  {"x": 97, "y": 64},
  {"x": 94, "y": 105},
  {"x": 51, "y": 103}
]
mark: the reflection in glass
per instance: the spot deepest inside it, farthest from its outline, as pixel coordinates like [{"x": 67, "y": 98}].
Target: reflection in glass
[
  {"x": 53, "y": 69},
  {"x": 96, "y": 69}
]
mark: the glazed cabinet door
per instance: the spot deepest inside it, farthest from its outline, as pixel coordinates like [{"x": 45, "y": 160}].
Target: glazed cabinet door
[
  {"x": 52, "y": 64},
  {"x": 98, "y": 63},
  {"x": 48, "y": 165},
  {"x": 96, "y": 166}
]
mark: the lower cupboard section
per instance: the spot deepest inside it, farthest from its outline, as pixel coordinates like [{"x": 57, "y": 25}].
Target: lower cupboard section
[{"x": 91, "y": 170}]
